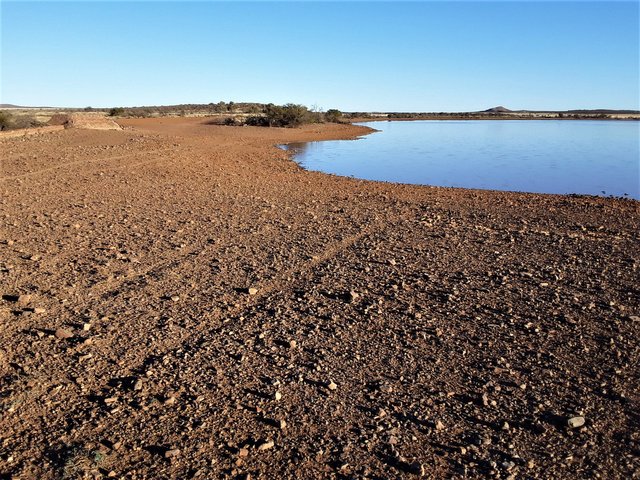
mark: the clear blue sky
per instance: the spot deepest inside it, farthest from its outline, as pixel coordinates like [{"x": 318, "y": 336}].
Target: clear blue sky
[{"x": 354, "y": 56}]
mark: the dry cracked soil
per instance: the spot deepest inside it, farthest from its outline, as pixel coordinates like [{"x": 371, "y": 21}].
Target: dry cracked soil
[{"x": 181, "y": 300}]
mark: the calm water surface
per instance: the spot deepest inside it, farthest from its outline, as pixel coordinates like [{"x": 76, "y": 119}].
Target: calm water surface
[{"x": 544, "y": 156}]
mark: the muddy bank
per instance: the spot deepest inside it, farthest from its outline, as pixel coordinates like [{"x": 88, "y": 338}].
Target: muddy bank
[{"x": 182, "y": 300}]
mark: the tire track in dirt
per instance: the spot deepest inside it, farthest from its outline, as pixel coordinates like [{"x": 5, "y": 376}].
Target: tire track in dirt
[
  {"x": 283, "y": 282},
  {"x": 185, "y": 338}
]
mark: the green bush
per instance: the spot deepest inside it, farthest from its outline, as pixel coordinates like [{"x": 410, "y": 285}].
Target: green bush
[
  {"x": 9, "y": 121},
  {"x": 333, "y": 115},
  {"x": 231, "y": 122},
  {"x": 5, "y": 120},
  {"x": 289, "y": 115},
  {"x": 116, "y": 111},
  {"x": 257, "y": 121}
]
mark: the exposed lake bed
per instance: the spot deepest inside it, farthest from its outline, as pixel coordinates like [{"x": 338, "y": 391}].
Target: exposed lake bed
[{"x": 593, "y": 157}]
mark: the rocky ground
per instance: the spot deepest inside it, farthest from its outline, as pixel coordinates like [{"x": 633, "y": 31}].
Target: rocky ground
[{"x": 180, "y": 300}]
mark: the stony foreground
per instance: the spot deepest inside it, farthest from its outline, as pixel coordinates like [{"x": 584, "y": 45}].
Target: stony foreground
[{"x": 179, "y": 300}]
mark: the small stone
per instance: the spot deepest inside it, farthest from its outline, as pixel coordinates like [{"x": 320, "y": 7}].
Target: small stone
[
  {"x": 138, "y": 384},
  {"x": 252, "y": 290},
  {"x": 634, "y": 318},
  {"x": 39, "y": 310},
  {"x": 243, "y": 452},
  {"x": 63, "y": 333},
  {"x": 170, "y": 400},
  {"x": 175, "y": 298},
  {"x": 86, "y": 327},
  {"x": 117, "y": 445},
  {"x": 266, "y": 446},
  {"x": 277, "y": 396},
  {"x": 439, "y": 425},
  {"x": 353, "y": 296},
  {"x": 293, "y": 344},
  {"x": 332, "y": 386},
  {"x": 172, "y": 453},
  {"x": 575, "y": 422},
  {"x": 283, "y": 424},
  {"x": 506, "y": 426},
  {"x": 531, "y": 464},
  {"x": 23, "y": 299}
]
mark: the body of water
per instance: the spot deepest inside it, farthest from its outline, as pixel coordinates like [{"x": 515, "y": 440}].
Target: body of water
[{"x": 544, "y": 156}]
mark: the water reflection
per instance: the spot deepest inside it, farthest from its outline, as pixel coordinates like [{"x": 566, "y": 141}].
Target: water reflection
[{"x": 589, "y": 157}]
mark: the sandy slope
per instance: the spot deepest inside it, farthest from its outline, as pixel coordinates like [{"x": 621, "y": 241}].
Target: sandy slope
[{"x": 396, "y": 330}]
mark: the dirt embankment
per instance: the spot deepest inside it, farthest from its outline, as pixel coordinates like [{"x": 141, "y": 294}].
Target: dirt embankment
[{"x": 180, "y": 300}]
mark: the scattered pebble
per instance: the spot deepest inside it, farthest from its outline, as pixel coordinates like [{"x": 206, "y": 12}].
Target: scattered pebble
[
  {"x": 575, "y": 422},
  {"x": 252, "y": 290},
  {"x": 332, "y": 386},
  {"x": 172, "y": 453},
  {"x": 23, "y": 299},
  {"x": 266, "y": 445},
  {"x": 63, "y": 333},
  {"x": 277, "y": 396}
]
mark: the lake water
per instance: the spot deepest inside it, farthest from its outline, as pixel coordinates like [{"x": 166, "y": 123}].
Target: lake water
[{"x": 544, "y": 156}]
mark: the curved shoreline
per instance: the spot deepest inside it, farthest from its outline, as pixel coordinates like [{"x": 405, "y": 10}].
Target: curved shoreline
[{"x": 406, "y": 329}]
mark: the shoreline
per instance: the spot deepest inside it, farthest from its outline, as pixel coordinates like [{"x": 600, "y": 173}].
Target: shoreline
[{"x": 180, "y": 297}]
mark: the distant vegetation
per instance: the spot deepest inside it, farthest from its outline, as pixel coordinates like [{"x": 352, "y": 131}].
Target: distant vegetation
[
  {"x": 9, "y": 121},
  {"x": 235, "y": 114},
  {"x": 289, "y": 115}
]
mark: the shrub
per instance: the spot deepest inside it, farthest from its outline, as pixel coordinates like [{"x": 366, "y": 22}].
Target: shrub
[
  {"x": 333, "y": 115},
  {"x": 257, "y": 121},
  {"x": 5, "y": 120},
  {"x": 9, "y": 121},
  {"x": 25, "y": 121},
  {"x": 231, "y": 122},
  {"x": 289, "y": 115},
  {"x": 116, "y": 111}
]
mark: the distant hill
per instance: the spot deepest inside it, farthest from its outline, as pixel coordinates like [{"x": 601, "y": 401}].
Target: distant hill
[
  {"x": 499, "y": 109},
  {"x": 11, "y": 105}
]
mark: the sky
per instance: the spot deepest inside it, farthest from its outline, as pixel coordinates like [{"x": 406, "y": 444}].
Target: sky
[{"x": 353, "y": 56}]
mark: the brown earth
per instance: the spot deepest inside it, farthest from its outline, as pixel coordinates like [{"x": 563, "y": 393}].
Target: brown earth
[
  {"x": 91, "y": 121},
  {"x": 181, "y": 300}
]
